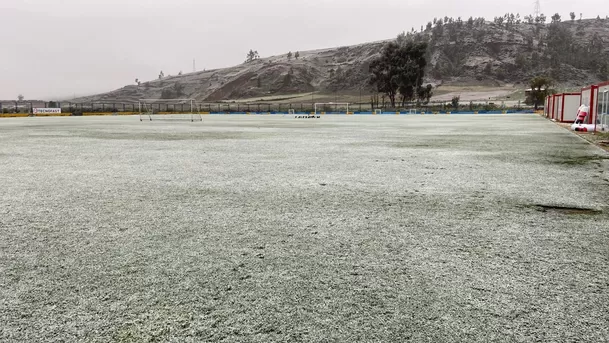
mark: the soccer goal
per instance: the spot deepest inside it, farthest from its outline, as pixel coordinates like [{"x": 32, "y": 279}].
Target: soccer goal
[
  {"x": 169, "y": 109},
  {"x": 378, "y": 111},
  {"x": 332, "y": 107}
]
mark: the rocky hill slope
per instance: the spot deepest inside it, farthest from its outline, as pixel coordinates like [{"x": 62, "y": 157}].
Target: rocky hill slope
[{"x": 470, "y": 52}]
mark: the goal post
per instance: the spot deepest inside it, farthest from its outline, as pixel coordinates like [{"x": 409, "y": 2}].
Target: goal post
[
  {"x": 146, "y": 111},
  {"x": 167, "y": 109},
  {"x": 337, "y": 107}
]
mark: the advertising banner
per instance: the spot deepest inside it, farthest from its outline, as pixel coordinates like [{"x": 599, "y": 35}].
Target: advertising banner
[{"x": 47, "y": 110}]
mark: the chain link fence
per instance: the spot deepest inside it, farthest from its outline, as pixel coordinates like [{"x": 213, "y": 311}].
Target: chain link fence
[{"x": 261, "y": 107}]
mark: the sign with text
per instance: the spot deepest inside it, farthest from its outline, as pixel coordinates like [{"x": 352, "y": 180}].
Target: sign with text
[{"x": 47, "y": 110}]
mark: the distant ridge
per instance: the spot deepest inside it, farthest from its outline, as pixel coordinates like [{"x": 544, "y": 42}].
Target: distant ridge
[{"x": 571, "y": 52}]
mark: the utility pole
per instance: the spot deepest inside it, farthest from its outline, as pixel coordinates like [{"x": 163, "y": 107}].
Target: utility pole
[{"x": 194, "y": 65}]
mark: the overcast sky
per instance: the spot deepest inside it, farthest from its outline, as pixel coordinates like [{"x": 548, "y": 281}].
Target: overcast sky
[{"x": 58, "y": 48}]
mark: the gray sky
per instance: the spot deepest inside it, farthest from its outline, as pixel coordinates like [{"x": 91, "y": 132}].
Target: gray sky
[{"x": 57, "y": 48}]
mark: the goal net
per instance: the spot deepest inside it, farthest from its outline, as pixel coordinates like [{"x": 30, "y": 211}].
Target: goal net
[
  {"x": 331, "y": 108},
  {"x": 169, "y": 109}
]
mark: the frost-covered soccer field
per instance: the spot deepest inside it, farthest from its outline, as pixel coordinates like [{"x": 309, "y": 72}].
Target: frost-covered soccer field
[{"x": 271, "y": 229}]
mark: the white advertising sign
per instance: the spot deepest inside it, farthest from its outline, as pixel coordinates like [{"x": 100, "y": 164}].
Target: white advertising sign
[{"x": 46, "y": 110}]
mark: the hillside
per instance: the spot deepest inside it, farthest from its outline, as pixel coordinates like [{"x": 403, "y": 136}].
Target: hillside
[{"x": 474, "y": 52}]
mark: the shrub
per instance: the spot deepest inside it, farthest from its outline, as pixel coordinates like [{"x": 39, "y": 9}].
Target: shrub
[{"x": 455, "y": 102}]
